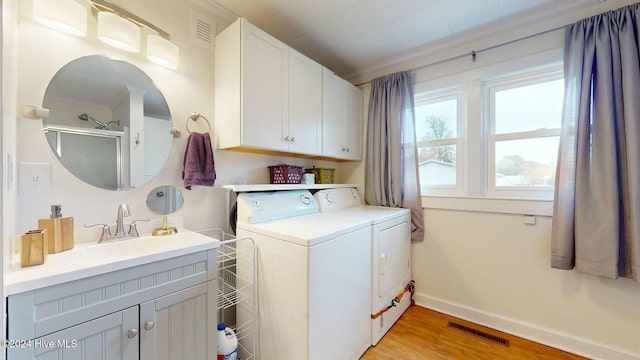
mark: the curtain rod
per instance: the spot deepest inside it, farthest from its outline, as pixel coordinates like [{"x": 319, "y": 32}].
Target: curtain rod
[{"x": 474, "y": 53}]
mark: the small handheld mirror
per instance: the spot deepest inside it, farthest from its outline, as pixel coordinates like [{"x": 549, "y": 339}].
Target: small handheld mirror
[{"x": 164, "y": 200}]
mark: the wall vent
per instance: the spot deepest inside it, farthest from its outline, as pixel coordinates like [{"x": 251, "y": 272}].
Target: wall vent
[
  {"x": 203, "y": 30},
  {"x": 478, "y": 333}
]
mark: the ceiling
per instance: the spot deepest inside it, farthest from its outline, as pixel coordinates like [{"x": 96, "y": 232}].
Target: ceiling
[{"x": 351, "y": 36}]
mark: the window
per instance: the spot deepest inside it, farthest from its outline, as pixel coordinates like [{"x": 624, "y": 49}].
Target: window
[
  {"x": 491, "y": 134},
  {"x": 523, "y": 116},
  {"x": 439, "y": 116}
]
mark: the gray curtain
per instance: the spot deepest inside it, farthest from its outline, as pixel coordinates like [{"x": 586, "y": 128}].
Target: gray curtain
[
  {"x": 596, "y": 222},
  {"x": 391, "y": 163}
]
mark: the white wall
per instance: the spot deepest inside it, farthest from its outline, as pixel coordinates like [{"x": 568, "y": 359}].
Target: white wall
[
  {"x": 493, "y": 269},
  {"x": 8, "y": 111},
  {"x": 463, "y": 267},
  {"x": 41, "y": 52}
]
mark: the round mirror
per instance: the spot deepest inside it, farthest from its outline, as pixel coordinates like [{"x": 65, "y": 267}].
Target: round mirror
[
  {"x": 164, "y": 200},
  {"x": 108, "y": 124}
]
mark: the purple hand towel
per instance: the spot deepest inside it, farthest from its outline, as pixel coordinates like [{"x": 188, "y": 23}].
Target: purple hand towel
[{"x": 199, "y": 165}]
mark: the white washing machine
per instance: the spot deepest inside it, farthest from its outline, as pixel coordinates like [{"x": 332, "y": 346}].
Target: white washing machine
[
  {"x": 313, "y": 282},
  {"x": 390, "y": 236}
]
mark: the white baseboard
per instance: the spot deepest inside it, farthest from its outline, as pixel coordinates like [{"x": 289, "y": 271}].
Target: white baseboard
[{"x": 542, "y": 335}]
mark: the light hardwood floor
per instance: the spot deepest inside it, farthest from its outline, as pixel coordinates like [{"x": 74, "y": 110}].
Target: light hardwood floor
[{"x": 423, "y": 334}]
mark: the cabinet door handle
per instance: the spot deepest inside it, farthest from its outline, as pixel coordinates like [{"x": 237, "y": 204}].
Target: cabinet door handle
[
  {"x": 148, "y": 325},
  {"x": 286, "y": 138},
  {"x": 132, "y": 333},
  {"x": 293, "y": 139}
]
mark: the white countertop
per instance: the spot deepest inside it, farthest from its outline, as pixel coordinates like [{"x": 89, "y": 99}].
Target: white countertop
[
  {"x": 91, "y": 259},
  {"x": 275, "y": 187}
]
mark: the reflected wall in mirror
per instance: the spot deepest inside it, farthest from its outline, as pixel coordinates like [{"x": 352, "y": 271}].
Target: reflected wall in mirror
[
  {"x": 108, "y": 123},
  {"x": 164, "y": 200}
]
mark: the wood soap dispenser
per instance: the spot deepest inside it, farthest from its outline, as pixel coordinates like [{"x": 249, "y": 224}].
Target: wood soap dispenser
[{"x": 59, "y": 230}]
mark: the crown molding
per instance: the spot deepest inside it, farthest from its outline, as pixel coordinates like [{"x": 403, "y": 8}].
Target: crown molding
[
  {"x": 544, "y": 18},
  {"x": 218, "y": 9}
]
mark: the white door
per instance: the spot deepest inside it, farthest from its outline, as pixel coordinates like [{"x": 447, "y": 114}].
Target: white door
[
  {"x": 265, "y": 89},
  {"x": 111, "y": 337},
  {"x": 305, "y": 105},
  {"x": 180, "y": 326},
  {"x": 352, "y": 122},
  {"x": 394, "y": 254},
  {"x": 332, "y": 114}
]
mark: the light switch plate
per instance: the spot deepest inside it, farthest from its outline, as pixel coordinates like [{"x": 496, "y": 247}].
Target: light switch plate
[{"x": 34, "y": 178}]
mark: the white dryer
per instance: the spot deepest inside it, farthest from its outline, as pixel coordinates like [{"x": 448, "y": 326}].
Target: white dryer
[
  {"x": 390, "y": 256},
  {"x": 313, "y": 282}
]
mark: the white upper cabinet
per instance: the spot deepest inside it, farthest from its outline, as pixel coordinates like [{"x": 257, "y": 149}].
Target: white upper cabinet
[
  {"x": 332, "y": 114},
  {"x": 267, "y": 95},
  {"x": 264, "y": 89},
  {"x": 305, "y": 105},
  {"x": 353, "y": 122},
  {"x": 341, "y": 118}
]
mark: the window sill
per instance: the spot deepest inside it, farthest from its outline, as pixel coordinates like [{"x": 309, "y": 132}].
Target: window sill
[{"x": 490, "y": 205}]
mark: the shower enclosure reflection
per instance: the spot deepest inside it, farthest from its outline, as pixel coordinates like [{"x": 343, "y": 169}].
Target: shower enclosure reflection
[
  {"x": 93, "y": 156},
  {"x": 101, "y": 125}
]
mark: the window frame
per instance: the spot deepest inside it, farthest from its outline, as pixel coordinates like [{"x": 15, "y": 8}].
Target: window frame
[
  {"x": 474, "y": 197},
  {"x": 523, "y": 78},
  {"x": 458, "y": 93}
]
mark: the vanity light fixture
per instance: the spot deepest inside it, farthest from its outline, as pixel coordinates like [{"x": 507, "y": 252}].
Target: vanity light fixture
[
  {"x": 67, "y": 16},
  {"x": 120, "y": 28},
  {"x": 116, "y": 27},
  {"x": 162, "y": 51},
  {"x": 118, "y": 32}
]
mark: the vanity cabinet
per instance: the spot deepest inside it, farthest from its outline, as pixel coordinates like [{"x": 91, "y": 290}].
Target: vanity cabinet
[
  {"x": 173, "y": 326},
  {"x": 102, "y": 338},
  {"x": 160, "y": 310},
  {"x": 341, "y": 118},
  {"x": 267, "y": 95}
]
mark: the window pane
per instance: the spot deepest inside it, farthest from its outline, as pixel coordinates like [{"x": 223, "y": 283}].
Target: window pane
[
  {"x": 437, "y": 165},
  {"x": 526, "y": 163},
  {"x": 528, "y": 108},
  {"x": 437, "y": 120}
]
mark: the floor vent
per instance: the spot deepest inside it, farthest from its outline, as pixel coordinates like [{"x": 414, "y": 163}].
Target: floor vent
[{"x": 475, "y": 332}]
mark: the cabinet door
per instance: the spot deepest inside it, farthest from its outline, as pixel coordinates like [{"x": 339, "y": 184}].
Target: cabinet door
[
  {"x": 264, "y": 89},
  {"x": 352, "y": 122},
  {"x": 332, "y": 114},
  {"x": 305, "y": 104},
  {"x": 111, "y": 337},
  {"x": 180, "y": 326}
]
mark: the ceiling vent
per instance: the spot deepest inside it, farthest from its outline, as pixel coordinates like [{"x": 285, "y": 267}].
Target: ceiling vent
[{"x": 203, "y": 30}]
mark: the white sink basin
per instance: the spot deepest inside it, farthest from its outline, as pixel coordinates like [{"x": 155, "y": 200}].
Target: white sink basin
[
  {"x": 132, "y": 247},
  {"x": 90, "y": 259}
]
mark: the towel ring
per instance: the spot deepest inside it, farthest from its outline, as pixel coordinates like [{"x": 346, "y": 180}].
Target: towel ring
[{"x": 194, "y": 117}]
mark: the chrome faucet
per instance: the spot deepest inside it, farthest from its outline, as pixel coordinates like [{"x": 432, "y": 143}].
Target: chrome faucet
[
  {"x": 120, "y": 234},
  {"x": 123, "y": 210}
]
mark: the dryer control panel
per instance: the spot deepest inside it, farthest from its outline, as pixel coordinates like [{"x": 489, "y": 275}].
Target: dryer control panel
[{"x": 336, "y": 199}]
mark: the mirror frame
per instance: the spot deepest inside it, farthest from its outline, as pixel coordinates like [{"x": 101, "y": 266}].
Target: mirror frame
[{"x": 165, "y": 229}]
